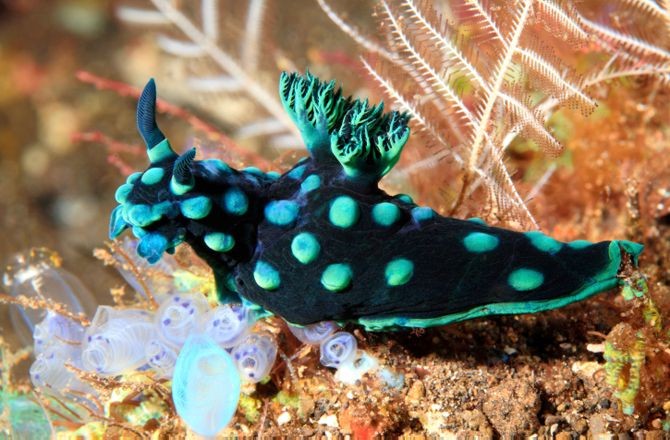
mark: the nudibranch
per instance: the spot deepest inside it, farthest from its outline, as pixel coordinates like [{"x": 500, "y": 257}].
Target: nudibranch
[{"x": 323, "y": 242}]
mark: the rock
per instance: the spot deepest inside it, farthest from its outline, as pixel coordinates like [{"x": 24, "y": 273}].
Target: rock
[
  {"x": 283, "y": 418},
  {"x": 306, "y": 407},
  {"x": 581, "y": 426},
  {"x": 416, "y": 392},
  {"x": 512, "y": 407},
  {"x": 329, "y": 420},
  {"x": 597, "y": 424}
]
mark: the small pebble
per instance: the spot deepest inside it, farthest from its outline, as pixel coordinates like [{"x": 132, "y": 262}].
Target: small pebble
[
  {"x": 283, "y": 418},
  {"x": 330, "y": 421}
]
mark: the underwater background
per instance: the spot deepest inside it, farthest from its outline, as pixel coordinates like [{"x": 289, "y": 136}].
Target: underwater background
[{"x": 70, "y": 74}]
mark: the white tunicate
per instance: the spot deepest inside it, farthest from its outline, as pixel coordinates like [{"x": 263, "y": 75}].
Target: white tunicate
[
  {"x": 351, "y": 371},
  {"x": 338, "y": 349},
  {"x": 314, "y": 334},
  {"x": 161, "y": 358},
  {"x": 49, "y": 372},
  {"x": 205, "y": 385},
  {"x": 58, "y": 331},
  {"x": 178, "y": 317},
  {"x": 37, "y": 275},
  {"x": 227, "y": 324},
  {"x": 255, "y": 356},
  {"x": 116, "y": 339}
]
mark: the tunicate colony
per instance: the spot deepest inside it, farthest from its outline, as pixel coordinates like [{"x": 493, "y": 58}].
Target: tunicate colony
[{"x": 207, "y": 352}]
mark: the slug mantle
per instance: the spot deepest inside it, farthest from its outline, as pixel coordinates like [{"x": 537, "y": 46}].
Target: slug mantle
[{"x": 323, "y": 242}]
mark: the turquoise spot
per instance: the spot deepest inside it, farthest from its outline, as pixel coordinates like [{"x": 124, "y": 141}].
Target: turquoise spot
[
  {"x": 421, "y": 213},
  {"x": 273, "y": 175},
  {"x": 139, "y": 232},
  {"x": 142, "y": 215},
  {"x": 310, "y": 183},
  {"x": 385, "y": 213},
  {"x": 477, "y": 220},
  {"x": 152, "y": 176},
  {"x": 235, "y": 201},
  {"x": 178, "y": 188},
  {"x": 405, "y": 198},
  {"x": 399, "y": 272},
  {"x": 297, "y": 172},
  {"x": 152, "y": 246},
  {"x": 133, "y": 178},
  {"x": 336, "y": 277},
  {"x": 219, "y": 241},
  {"x": 281, "y": 212},
  {"x": 196, "y": 208},
  {"x": 160, "y": 151},
  {"x": 579, "y": 244},
  {"x": 543, "y": 242},
  {"x": 215, "y": 166},
  {"x": 305, "y": 247},
  {"x": 254, "y": 170},
  {"x": 168, "y": 209},
  {"x": 479, "y": 242},
  {"x": 122, "y": 193},
  {"x": 266, "y": 276},
  {"x": 344, "y": 212},
  {"x": 525, "y": 279},
  {"x": 116, "y": 223}
]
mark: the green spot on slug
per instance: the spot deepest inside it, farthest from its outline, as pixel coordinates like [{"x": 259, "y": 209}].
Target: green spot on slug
[
  {"x": 219, "y": 241},
  {"x": 166, "y": 208},
  {"x": 525, "y": 279},
  {"x": 305, "y": 247},
  {"x": 543, "y": 242},
  {"x": 273, "y": 175},
  {"x": 477, "y": 220},
  {"x": 152, "y": 176},
  {"x": 116, "y": 222},
  {"x": 385, "y": 214},
  {"x": 142, "y": 215},
  {"x": 215, "y": 166},
  {"x": 399, "y": 272},
  {"x": 266, "y": 276},
  {"x": 479, "y": 242},
  {"x": 421, "y": 213},
  {"x": 254, "y": 170},
  {"x": 297, "y": 172},
  {"x": 152, "y": 246},
  {"x": 281, "y": 212},
  {"x": 133, "y": 178},
  {"x": 405, "y": 198},
  {"x": 139, "y": 232},
  {"x": 179, "y": 188},
  {"x": 196, "y": 208},
  {"x": 336, "y": 277},
  {"x": 579, "y": 244},
  {"x": 123, "y": 192},
  {"x": 235, "y": 201},
  {"x": 161, "y": 151},
  {"x": 310, "y": 183},
  {"x": 344, "y": 212}
]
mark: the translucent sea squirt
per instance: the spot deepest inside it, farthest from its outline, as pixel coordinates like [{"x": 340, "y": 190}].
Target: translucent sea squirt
[{"x": 205, "y": 385}]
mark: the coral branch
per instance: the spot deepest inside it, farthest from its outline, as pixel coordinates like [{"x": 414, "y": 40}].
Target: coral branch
[{"x": 40, "y": 304}]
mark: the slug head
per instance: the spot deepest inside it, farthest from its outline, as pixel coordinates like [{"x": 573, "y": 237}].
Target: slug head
[{"x": 178, "y": 198}]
